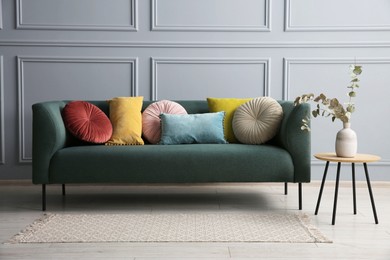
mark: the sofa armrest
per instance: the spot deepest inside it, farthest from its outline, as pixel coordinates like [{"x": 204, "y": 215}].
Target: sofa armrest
[
  {"x": 296, "y": 141},
  {"x": 49, "y": 135}
]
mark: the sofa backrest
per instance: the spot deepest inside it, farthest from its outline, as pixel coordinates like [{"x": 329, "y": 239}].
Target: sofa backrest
[{"x": 191, "y": 106}]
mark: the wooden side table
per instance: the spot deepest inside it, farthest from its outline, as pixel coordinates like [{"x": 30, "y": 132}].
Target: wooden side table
[{"x": 359, "y": 158}]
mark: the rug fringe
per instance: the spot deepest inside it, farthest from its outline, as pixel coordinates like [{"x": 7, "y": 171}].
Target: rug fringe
[
  {"x": 314, "y": 232},
  {"x": 33, "y": 227}
]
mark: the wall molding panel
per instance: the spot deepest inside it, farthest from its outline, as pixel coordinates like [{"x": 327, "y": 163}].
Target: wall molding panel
[
  {"x": 197, "y": 45},
  {"x": 2, "y": 133},
  {"x": 227, "y": 26},
  {"x": 156, "y": 62},
  {"x": 289, "y": 62},
  {"x": 23, "y": 60},
  {"x": 1, "y": 14},
  {"x": 26, "y": 20},
  {"x": 343, "y": 19}
]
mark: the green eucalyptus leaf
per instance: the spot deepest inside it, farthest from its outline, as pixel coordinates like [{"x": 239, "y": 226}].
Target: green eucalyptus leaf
[
  {"x": 297, "y": 101},
  {"x": 331, "y": 107},
  {"x": 355, "y": 80},
  {"x": 357, "y": 70},
  {"x": 320, "y": 97},
  {"x": 334, "y": 102},
  {"x": 305, "y": 128},
  {"x": 326, "y": 102},
  {"x": 351, "y": 108}
]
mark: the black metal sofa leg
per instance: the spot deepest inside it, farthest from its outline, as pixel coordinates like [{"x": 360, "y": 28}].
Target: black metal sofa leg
[
  {"x": 43, "y": 197},
  {"x": 300, "y": 195}
]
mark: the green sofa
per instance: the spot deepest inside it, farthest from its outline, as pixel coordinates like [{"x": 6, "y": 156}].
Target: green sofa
[{"x": 58, "y": 158}]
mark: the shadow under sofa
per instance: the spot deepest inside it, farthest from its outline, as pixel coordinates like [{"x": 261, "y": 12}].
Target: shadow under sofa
[{"x": 58, "y": 158}]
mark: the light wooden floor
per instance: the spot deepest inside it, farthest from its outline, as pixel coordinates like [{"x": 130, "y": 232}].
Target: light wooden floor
[{"x": 354, "y": 236}]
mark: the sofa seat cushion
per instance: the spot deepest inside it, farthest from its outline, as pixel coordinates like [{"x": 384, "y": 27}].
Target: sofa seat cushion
[{"x": 193, "y": 163}]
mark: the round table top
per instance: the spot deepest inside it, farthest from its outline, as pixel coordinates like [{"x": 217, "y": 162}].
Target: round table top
[{"x": 359, "y": 158}]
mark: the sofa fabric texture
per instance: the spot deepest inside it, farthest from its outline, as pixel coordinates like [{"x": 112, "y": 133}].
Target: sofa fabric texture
[
  {"x": 59, "y": 158},
  {"x": 201, "y": 163}
]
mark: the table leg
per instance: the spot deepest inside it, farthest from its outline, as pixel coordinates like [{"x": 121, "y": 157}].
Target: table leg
[
  {"x": 354, "y": 188},
  {"x": 370, "y": 191},
  {"x": 322, "y": 188},
  {"x": 336, "y": 193}
]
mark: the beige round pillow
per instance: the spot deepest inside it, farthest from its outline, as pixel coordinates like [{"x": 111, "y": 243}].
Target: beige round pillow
[{"x": 257, "y": 121}]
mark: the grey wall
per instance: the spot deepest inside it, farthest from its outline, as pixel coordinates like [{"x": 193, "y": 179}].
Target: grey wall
[{"x": 187, "y": 49}]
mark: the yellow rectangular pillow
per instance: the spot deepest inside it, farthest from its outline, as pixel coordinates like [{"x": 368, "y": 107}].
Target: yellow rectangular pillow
[
  {"x": 126, "y": 118},
  {"x": 229, "y": 105}
]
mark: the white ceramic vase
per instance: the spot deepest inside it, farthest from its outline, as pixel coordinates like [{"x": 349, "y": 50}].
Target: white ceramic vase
[{"x": 346, "y": 142}]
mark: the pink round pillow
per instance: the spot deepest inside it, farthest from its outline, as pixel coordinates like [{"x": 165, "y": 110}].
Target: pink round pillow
[
  {"x": 151, "y": 123},
  {"x": 87, "y": 122}
]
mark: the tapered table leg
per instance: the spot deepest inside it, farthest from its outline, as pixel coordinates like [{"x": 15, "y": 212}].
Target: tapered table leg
[
  {"x": 336, "y": 193},
  {"x": 370, "y": 191},
  {"x": 322, "y": 187},
  {"x": 354, "y": 188}
]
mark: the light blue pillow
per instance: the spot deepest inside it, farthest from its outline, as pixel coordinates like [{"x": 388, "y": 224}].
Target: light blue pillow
[{"x": 192, "y": 128}]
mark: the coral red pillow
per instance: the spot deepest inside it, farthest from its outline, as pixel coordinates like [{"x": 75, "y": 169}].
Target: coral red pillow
[
  {"x": 87, "y": 122},
  {"x": 151, "y": 122}
]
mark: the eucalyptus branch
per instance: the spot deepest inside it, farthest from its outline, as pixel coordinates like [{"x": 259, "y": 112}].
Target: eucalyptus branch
[{"x": 332, "y": 107}]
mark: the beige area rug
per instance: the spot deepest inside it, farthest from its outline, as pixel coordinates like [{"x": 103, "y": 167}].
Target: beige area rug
[{"x": 172, "y": 227}]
